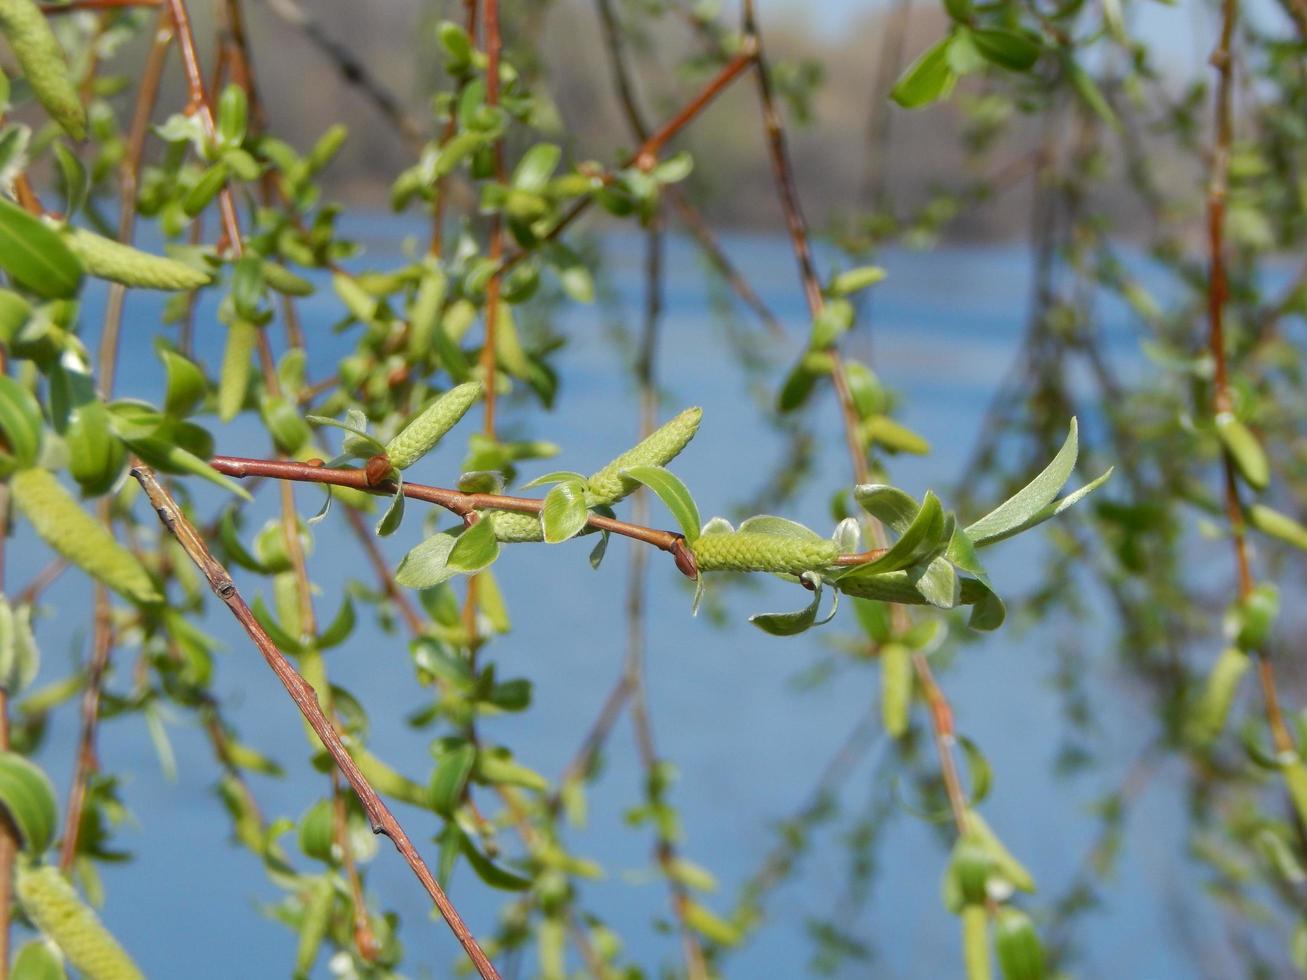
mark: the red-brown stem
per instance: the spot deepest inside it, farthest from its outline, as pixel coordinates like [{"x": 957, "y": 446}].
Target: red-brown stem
[
  {"x": 42, "y": 581},
  {"x": 301, "y": 692},
  {"x": 127, "y": 176},
  {"x": 494, "y": 47},
  {"x": 941, "y": 714},
  {"x": 729, "y": 72},
  {"x": 1217, "y": 296},
  {"x": 86, "y": 764},
  {"x": 71, "y": 6}
]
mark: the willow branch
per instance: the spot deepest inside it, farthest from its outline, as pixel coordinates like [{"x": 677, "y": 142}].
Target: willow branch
[
  {"x": 489, "y": 353},
  {"x": 1217, "y": 295},
  {"x": 941, "y": 714},
  {"x": 302, "y": 693}
]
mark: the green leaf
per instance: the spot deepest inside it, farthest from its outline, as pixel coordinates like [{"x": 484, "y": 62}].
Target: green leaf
[
  {"x": 855, "y": 280},
  {"x": 894, "y": 436},
  {"x": 317, "y": 832},
  {"x": 927, "y": 80},
  {"x": 1090, "y": 93},
  {"x": 185, "y": 383},
  {"x": 35, "y": 255},
  {"x": 780, "y": 526},
  {"x": 451, "y": 776},
  {"x": 1017, "y": 512},
  {"x": 20, "y": 421},
  {"x": 365, "y": 443},
  {"x": 340, "y": 627},
  {"x": 1014, "y": 50},
  {"x": 709, "y": 924},
  {"x": 673, "y": 493},
  {"x": 556, "y": 476},
  {"x": 233, "y": 112},
  {"x": 1277, "y": 525},
  {"x": 172, "y": 458},
  {"x": 1017, "y": 946},
  {"x": 428, "y": 563},
  {"x": 794, "y": 623},
  {"x": 1245, "y": 451},
  {"x": 37, "y": 960},
  {"x": 489, "y": 872},
  {"x": 537, "y": 165},
  {"x": 564, "y": 513},
  {"x": 73, "y": 179},
  {"x": 920, "y": 541},
  {"x": 475, "y": 548},
  {"x": 29, "y": 801},
  {"x": 394, "y": 514},
  {"x": 889, "y": 505}
]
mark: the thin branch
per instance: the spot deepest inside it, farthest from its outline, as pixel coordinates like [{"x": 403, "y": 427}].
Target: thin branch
[
  {"x": 302, "y": 693},
  {"x": 1217, "y": 295}
]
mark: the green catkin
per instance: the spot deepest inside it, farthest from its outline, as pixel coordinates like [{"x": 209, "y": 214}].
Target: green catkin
[
  {"x": 43, "y": 63},
  {"x": 107, "y": 259},
  {"x": 77, "y": 536},
  {"x": 313, "y": 927},
  {"x": 418, "y": 438},
  {"x": 895, "y": 688},
  {"x": 753, "y": 551},
  {"x": 513, "y": 527},
  {"x": 607, "y": 486},
  {"x": 1207, "y": 719},
  {"x": 53, "y": 905},
  {"x": 234, "y": 381}
]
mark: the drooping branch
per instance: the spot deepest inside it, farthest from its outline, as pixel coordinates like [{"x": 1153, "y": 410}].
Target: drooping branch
[{"x": 302, "y": 693}]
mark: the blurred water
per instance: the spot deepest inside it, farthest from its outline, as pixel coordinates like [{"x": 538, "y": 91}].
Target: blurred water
[{"x": 748, "y": 746}]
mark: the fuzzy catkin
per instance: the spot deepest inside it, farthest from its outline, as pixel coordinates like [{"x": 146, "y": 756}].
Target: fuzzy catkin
[
  {"x": 107, "y": 259},
  {"x": 53, "y": 905},
  {"x": 418, "y": 438},
  {"x": 607, "y": 486},
  {"x": 511, "y": 526},
  {"x": 79, "y": 537},
  {"x": 43, "y": 63},
  {"x": 751, "y": 551}
]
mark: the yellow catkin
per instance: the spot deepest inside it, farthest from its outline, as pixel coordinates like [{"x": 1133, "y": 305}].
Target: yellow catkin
[
  {"x": 53, "y": 905},
  {"x": 43, "y": 64},
  {"x": 79, "y": 537},
  {"x": 107, "y": 259}
]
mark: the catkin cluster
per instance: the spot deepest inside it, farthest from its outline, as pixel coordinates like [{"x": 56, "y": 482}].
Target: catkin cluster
[
  {"x": 107, "y": 259},
  {"x": 56, "y": 910},
  {"x": 77, "y": 536},
  {"x": 660, "y": 447},
  {"x": 753, "y": 551},
  {"x": 418, "y": 438},
  {"x": 43, "y": 64}
]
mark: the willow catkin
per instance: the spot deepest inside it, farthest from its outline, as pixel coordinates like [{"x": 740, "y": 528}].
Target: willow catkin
[
  {"x": 420, "y": 436},
  {"x": 53, "y": 905},
  {"x": 511, "y": 526},
  {"x": 107, "y": 259},
  {"x": 753, "y": 551},
  {"x": 79, "y": 537},
  {"x": 660, "y": 447},
  {"x": 43, "y": 63}
]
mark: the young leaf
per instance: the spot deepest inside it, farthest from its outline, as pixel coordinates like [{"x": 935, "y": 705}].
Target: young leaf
[
  {"x": 673, "y": 493},
  {"x": 920, "y": 541},
  {"x": 428, "y": 563},
  {"x": 35, "y": 254},
  {"x": 1014, "y": 50},
  {"x": 20, "y": 423},
  {"x": 28, "y": 799},
  {"x": 564, "y": 513},
  {"x": 394, "y": 514},
  {"x": 793, "y": 623},
  {"x": 889, "y": 505},
  {"x": 475, "y": 548},
  {"x": 928, "y": 79},
  {"x": 450, "y": 776}
]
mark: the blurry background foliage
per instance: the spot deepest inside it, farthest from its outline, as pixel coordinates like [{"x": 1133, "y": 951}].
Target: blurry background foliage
[{"x": 205, "y": 306}]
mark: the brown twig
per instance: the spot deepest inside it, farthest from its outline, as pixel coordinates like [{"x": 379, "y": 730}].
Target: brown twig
[
  {"x": 1217, "y": 296},
  {"x": 301, "y": 692},
  {"x": 941, "y": 714}
]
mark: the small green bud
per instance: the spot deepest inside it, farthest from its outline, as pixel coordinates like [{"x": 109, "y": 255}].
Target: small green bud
[
  {"x": 1020, "y": 954},
  {"x": 420, "y": 436},
  {"x": 53, "y": 905},
  {"x": 607, "y": 486},
  {"x": 754, "y": 551}
]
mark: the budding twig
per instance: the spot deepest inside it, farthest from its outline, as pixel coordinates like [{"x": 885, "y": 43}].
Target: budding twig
[{"x": 302, "y": 693}]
